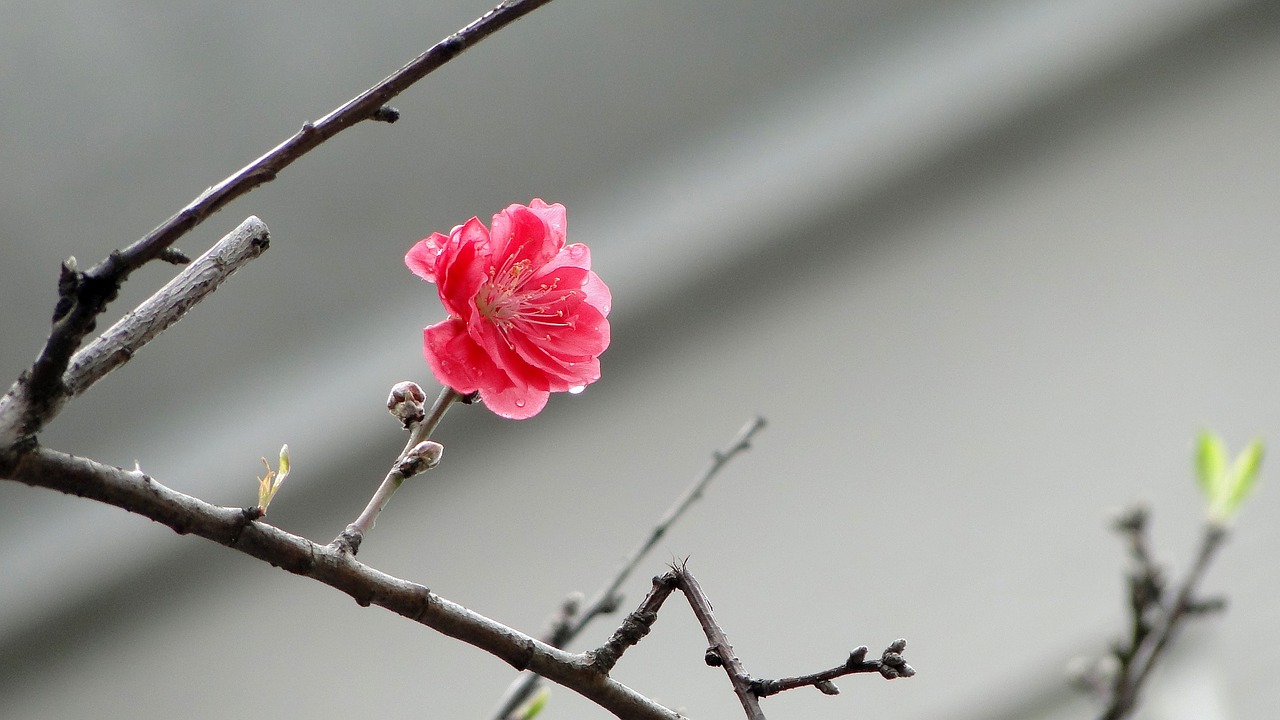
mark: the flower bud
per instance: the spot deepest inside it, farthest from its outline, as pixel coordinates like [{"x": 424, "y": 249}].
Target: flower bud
[
  {"x": 424, "y": 456},
  {"x": 407, "y": 403}
]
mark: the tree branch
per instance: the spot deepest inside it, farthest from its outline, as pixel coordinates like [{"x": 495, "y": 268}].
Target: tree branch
[
  {"x": 720, "y": 652},
  {"x": 570, "y": 624},
  {"x": 197, "y": 281},
  {"x": 1154, "y": 621},
  {"x": 236, "y": 529},
  {"x": 39, "y": 393},
  {"x": 891, "y": 666},
  {"x": 749, "y": 690},
  {"x": 420, "y": 430}
]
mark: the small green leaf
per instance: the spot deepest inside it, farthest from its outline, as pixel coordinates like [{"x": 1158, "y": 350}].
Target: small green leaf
[
  {"x": 534, "y": 705},
  {"x": 1211, "y": 463},
  {"x": 268, "y": 486},
  {"x": 1244, "y": 473},
  {"x": 284, "y": 464},
  {"x": 1226, "y": 483}
]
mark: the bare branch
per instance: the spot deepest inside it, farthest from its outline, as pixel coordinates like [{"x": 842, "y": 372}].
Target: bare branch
[
  {"x": 118, "y": 344},
  {"x": 720, "y": 652},
  {"x": 1154, "y": 620},
  {"x": 890, "y": 665},
  {"x": 606, "y": 600},
  {"x": 636, "y": 625},
  {"x": 419, "y": 430},
  {"x": 239, "y": 530},
  {"x": 39, "y": 393}
]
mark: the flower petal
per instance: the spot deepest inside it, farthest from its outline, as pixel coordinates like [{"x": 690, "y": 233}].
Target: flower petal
[
  {"x": 578, "y": 255},
  {"x": 455, "y": 359},
  {"x": 554, "y": 217},
  {"x": 587, "y": 335},
  {"x": 521, "y": 236},
  {"x": 505, "y": 358},
  {"x": 516, "y": 403},
  {"x": 421, "y": 258},
  {"x": 462, "y": 267}
]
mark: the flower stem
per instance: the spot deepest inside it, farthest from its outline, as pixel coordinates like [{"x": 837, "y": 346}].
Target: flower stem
[{"x": 351, "y": 537}]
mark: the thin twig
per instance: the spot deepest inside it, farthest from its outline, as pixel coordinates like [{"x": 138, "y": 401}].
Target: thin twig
[
  {"x": 1154, "y": 623},
  {"x": 890, "y": 666},
  {"x": 349, "y": 539},
  {"x": 720, "y": 652},
  {"x": 139, "y": 493},
  {"x": 606, "y": 600},
  {"x": 636, "y": 625},
  {"x": 38, "y": 395},
  {"x": 197, "y": 281}
]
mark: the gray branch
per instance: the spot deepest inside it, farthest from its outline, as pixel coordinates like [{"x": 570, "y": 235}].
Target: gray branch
[
  {"x": 238, "y": 529},
  {"x": 197, "y": 281},
  {"x": 606, "y": 600}
]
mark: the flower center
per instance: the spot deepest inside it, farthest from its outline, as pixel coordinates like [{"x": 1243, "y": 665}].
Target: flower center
[{"x": 506, "y": 302}]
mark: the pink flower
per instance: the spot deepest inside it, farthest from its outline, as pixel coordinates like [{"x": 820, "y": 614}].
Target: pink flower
[{"x": 526, "y": 313}]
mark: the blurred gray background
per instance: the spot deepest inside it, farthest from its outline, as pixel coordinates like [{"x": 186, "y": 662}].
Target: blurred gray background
[{"x": 985, "y": 267}]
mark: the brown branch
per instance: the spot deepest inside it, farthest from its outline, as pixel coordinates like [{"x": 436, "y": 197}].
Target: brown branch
[
  {"x": 749, "y": 690},
  {"x": 890, "y": 665},
  {"x": 197, "y": 281},
  {"x": 720, "y": 652},
  {"x": 239, "y": 530},
  {"x": 1154, "y": 621},
  {"x": 568, "y": 625},
  {"x": 636, "y": 625},
  {"x": 39, "y": 393}
]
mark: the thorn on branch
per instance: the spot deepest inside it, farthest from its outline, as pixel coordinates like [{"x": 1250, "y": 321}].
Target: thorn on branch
[
  {"x": 69, "y": 279},
  {"x": 386, "y": 114}
]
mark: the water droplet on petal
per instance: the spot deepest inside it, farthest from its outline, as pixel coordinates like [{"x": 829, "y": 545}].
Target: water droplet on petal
[
  {"x": 519, "y": 403},
  {"x": 577, "y": 389}
]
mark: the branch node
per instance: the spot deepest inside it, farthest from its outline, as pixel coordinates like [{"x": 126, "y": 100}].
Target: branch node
[
  {"x": 348, "y": 541},
  {"x": 857, "y": 657},
  {"x": 247, "y": 516},
  {"x": 386, "y": 114},
  {"x": 453, "y": 45},
  {"x": 826, "y": 687},
  {"x": 174, "y": 256}
]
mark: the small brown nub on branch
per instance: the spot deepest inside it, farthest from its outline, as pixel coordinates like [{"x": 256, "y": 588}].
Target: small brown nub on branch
[
  {"x": 386, "y": 114},
  {"x": 174, "y": 256}
]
